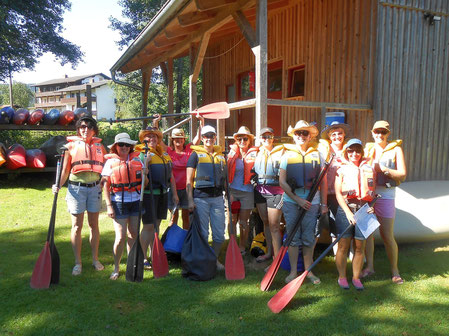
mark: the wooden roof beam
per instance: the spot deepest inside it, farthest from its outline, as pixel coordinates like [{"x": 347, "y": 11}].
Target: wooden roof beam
[
  {"x": 194, "y": 18},
  {"x": 200, "y": 56},
  {"x": 246, "y": 28},
  {"x": 180, "y": 31},
  {"x": 204, "y": 5},
  {"x": 162, "y": 40}
]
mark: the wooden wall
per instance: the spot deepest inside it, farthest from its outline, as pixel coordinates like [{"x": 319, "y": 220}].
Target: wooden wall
[
  {"x": 412, "y": 83},
  {"x": 334, "y": 39}
]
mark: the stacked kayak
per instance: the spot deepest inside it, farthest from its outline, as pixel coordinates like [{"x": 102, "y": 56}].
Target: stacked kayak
[
  {"x": 6, "y": 115},
  {"x": 51, "y": 117},
  {"x": 35, "y": 117},
  {"x": 35, "y": 158},
  {"x": 16, "y": 157},
  {"x": 2, "y": 154},
  {"x": 82, "y": 112},
  {"x": 66, "y": 117},
  {"x": 20, "y": 116}
]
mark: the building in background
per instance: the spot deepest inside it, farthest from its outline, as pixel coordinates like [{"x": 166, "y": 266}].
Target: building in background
[{"x": 62, "y": 94}]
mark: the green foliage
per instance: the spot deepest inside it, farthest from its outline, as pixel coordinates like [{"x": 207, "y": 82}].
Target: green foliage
[
  {"x": 21, "y": 93},
  {"x": 28, "y": 139},
  {"x": 30, "y": 28}
]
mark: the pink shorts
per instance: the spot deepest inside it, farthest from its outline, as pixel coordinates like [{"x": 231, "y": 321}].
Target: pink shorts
[{"x": 385, "y": 208}]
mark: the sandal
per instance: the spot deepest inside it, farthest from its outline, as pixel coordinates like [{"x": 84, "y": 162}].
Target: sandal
[
  {"x": 358, "y": 284},
  {"x": 147, "y": 265},
  {"x": 397, "y": 279},
  {"x": 313, "y": 279},
  {"x": 290, "y": 278},
  {"x": 366, "y": 273},
  {"x": 77, "y": 269},
  {"x": 263, "y": 258},
  {"x": 97, "y": 265},
  {"x": 343, "y": 283},
  {"x": 114, "y": 276}
]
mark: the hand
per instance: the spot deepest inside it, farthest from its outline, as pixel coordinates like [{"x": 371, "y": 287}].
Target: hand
[
  {"x": 370, "y": 210},
  {"x": 231, "y": 197},
  {"x": 111, "y": 212},
  {"x": 55, "y": 188},
  {"x": 191, "y": 205},
  {"x": 324, "y": 209},
  {"x": 305, "y": 204},
  {"x": 350, "y": 217},
  {"x": 200, "y": 118},
  {"x": 175, "y": 200},
  {"x": 157, "y": 117}
]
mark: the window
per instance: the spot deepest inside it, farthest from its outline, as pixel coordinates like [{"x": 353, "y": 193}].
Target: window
[
  {"x": 230, "y": 93},
  {"x": 296, "y": 80},
  {"x": 275, "y": 80},
  {"x": 244, "y": 86}
]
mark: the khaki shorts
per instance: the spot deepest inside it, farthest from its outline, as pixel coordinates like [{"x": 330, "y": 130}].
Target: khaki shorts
[{"x": 246, "y": 198}]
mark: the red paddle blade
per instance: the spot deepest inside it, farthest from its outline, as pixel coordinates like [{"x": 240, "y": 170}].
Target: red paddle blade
[
  {"x": 234, "y": 268},
  {"x": 42, "y": 269},
  {"x": 218, "y": 110},
  {"x": 284, "y": 296},
  {"x": 274, "y": 267},
  {"x": 160, "y": 263}
]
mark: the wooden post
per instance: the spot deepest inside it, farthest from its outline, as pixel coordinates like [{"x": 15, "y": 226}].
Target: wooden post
[
  {"x": 261, "y": 59},
  {"x": 193, "y": 98},
  {"x": 89, "y": 98},
  {"x": 170, "y": 89},
  {"x": 146, "y": 79},
  {"x": 78, "y": 100},
  {"x": 323, "y": 117}
]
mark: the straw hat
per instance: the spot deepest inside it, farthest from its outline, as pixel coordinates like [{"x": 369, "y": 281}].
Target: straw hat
[
  {"x": 178, "y": 133},
  {"x": 122, "y": 138},
  {"x": 243, "y": 130},
  {"x": 334, "y": 125},
  {"x": 150, "y": 130},
  {"x": 381, "y": 124},
  {"x": 303, "y": 125}
]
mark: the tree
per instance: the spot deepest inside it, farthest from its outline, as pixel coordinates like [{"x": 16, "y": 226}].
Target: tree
[
  {"x": 22, "y": 94},
  {"x": 30, "y": 28}
]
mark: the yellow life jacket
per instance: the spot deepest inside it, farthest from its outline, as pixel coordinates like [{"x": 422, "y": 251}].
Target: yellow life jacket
[
  {"x": 210, "y": 170},
  {"x": 267, "y": 165},
  {"x": 387, "y": 159},
  {"x": 302, "y": 169}
]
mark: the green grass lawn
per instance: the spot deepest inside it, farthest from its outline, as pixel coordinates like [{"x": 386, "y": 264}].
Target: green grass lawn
[{"x": 91, "y": 304}]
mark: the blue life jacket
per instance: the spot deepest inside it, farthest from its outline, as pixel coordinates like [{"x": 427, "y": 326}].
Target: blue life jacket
[
  {"x": 267, "y": 165},
  {"x": 302, "y": 169}
]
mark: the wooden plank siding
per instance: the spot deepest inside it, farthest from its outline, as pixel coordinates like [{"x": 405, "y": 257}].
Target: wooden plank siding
[
  {"x": 412, "y": 90},
  {"x": 333, "y": 39}
]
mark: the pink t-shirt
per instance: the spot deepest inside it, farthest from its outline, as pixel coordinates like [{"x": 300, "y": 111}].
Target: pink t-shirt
[{"x": 179, "y": 162}]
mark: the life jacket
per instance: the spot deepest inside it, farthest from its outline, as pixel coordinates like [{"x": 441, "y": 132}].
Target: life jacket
[
  {"x": 248, "y": 162},
  {"x": 86, "y": 157},
  {"x": 357, "y": 182},
  {"x": 302, "y": 169},
  {"x": 126, "y": 175},
  {"x": 210, "y": 169},
  {"x": 387, "y": 159},
  {"x": 160, "y": 166},
  {"x": 326, "y": 150},
  {"x": 267, "y": 165}
]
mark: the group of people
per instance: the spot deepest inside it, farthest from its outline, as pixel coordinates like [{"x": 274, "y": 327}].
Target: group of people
[{"x": 276, "y": 179}]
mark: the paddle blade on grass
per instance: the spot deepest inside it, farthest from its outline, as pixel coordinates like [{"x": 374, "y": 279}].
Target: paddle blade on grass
[
  {"x": 159, "y": 259},
  {"x": 234, "y": 268},
  {"x": 284, "y": 296},
  {"x": 134, "y": 264},
  {"x": 274, "y": 267},
  {"x": 42, "y": 269},
  {"x": 55, "y": 265}
]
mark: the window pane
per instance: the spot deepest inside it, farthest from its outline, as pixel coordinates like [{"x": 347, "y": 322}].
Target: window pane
[
  {"x": 275, "y": 80},
  {"x": 297, "y": 85}
]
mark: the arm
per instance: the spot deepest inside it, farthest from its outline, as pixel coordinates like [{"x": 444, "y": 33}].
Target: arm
[
  {"x": 174, "y": 191},
  {"x": 64, "y": 173},
  {"x": 400, "y": 172},
  {"x": 341, "y": 201},
  {"x": 284, "y": 185},
  {"x": 189, "y": 187},
  {"x": 197, "y": 139},
  {"x": 107, "y": 196}
]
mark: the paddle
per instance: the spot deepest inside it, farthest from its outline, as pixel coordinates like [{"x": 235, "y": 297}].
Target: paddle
[
  {"x": 274, "y": 267},
  {"x": 234, "y": 267},
  {"x": 158, "y": 256},
  {"x": 46, "y": 269},
  {"x": 284, "y": 296},
  {"x": 134, "y": 263},
  {"x": 215, "y": 111}
]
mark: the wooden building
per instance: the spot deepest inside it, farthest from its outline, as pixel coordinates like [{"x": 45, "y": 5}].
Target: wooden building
[{"x": 278, "y": 61}]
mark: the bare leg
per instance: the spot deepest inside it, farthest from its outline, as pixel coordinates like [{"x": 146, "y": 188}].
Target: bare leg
[
  {"x": 369, "y": 250},
  {"x": 132, "y": 232},
  {"x": 308, "y": 260},
  {"x": 274, "y": 219},
  {"x": 75, "y": 236},
  {"x": 173, "y": 218},
  {"x": 185, "y": 219},
  {"x": 342, "y": 256},
  {"x": 119, "y": 243},
  {"x": 244, "y": 227},
  {"x": 94, "y": 237},
  {"x": 263, "y": 213},
  {"x": 146, "y": 239},
  {"x": 293, "y": 252},
  {"x": 391, "y": 247},
  {"x": 357, "y": 261}
]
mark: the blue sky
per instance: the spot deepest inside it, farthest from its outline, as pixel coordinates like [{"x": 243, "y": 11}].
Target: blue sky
[{"x": 86, "y": 25}]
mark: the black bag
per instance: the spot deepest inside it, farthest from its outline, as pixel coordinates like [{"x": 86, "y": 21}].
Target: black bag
[{"x": 198, "y": 260}]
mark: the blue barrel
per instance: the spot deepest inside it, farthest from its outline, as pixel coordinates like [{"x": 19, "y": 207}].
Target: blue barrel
[{"x": 285, "y": 263}]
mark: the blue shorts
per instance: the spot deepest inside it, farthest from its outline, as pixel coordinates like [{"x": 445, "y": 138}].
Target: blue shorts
[
  {"x": 126, "y": 209},
  {"x": 183, "y": 201},
  {"x": 80, "y": 199},
  {"x": 341, "y": 223},
  {"x": 305, "y": 235}
]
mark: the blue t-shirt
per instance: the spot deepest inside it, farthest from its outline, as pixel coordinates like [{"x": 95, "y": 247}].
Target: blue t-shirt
[{"x": 237, "y": 182}]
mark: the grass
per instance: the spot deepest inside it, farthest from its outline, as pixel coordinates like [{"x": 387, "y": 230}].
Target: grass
[{"x": 93, "y": 305}]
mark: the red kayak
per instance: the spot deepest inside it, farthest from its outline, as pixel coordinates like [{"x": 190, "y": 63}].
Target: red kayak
[
  {"x": 35, "y": 117},
  {"x": 20, "y": 116},
  {"x": 16, "y": 157},
  {"x": 2, "y": 154},
  {"x": 66, "y": 117},
  {"x": 35, "y": 158}
]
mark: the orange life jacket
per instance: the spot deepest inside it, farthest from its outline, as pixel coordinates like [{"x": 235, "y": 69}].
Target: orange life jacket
[
  {"x": 357, "y": 182},
  {"x": 126, "y": 175},
  {"x": 248, "y": 163},
  {"x": 86, "y": 157}
]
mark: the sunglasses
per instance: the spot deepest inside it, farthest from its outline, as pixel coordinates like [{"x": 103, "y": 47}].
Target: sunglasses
[
  {"x": 302, "y": 133},
  {"x": 86, "y": 126},
  {"x": 240, "y": 139},
  {"x": 358, "y": 151},
  {"x": 380, "y": 131},
  {"x": 267, "y": 137},
  {"x": 122, "y": 144},
  {"x": 209, "y": 135}
]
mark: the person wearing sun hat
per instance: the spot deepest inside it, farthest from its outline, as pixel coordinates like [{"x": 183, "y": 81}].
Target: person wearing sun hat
[
  {"x": 354, "y": 187},
  {"x": 160, "y": 168},
  {"x": 333, "y": 139},
  {"x": 389, "y": 164},
  {"x": 241, "y": 158},
  {"x": 122, "y": 177},
  {"x": 206, "y": 170},
  {"x": 300, "y": 166},
  {"x": 179, "y": 152}
]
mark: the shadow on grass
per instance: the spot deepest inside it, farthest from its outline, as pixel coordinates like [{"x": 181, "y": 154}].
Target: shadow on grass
[{"x": 39, "y": 181}]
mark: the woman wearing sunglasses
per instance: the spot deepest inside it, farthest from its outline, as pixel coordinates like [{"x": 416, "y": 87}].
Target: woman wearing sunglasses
[
  {"x": 389, "y": 164},
  {"x": 300, "y": 166},
  {"x": 122, "y": 176},
  {"x": 354, "y": 187},
  {"x": 241, "y": 158},
  {"x": 268, "y": 193},
  {"x": 82, "y": 167}
]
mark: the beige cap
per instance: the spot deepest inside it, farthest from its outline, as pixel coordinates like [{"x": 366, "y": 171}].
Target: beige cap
[{"x": 381, "y": 124}]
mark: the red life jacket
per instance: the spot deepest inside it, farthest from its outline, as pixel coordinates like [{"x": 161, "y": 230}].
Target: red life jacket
[
  {"x": 86, "y": 157},
  {"x": 357, "y": 182},
  {"x": 248, "y": 163},
  {"x": 126, "y": 175}
]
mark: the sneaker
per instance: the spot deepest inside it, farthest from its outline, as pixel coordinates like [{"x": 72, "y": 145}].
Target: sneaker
[
  {"x": 147, "y": 265},
  {"x": 220, "y": 266},
  {"x": 77, "y": 269},
  {"x": 343, "y": 283},
  {"x": 357, "y": 284},
  {"x": 97, "y": 265}
]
